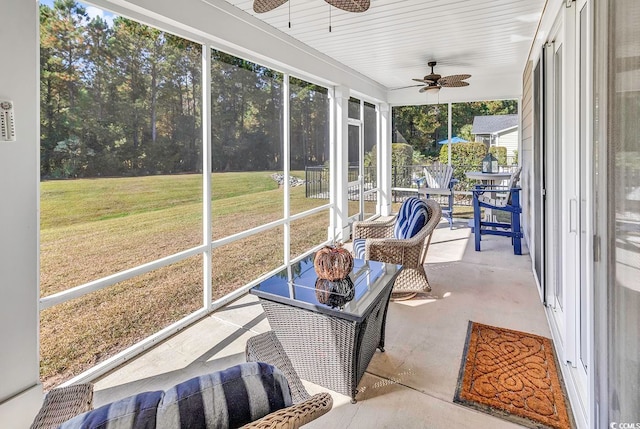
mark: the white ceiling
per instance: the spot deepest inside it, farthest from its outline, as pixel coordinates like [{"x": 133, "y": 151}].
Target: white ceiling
[{"x": 394, "y": 40}]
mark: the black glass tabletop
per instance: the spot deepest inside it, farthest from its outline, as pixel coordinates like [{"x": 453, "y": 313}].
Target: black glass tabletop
[{"x": 352, "y": 298}]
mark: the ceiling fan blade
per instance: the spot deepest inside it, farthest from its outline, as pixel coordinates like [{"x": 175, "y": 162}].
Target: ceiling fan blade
[
  {"x": 262, "y": 6},
  {"x": 350, "y": 5},
  {"x": 454, "y": 78},
  {"x": 427, "y": 88},
  {"x": 404, "y": 87},
  {"x": 455, "y": 84}
]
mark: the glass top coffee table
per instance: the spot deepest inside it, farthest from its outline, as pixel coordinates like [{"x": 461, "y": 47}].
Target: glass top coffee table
[{"x": 329, "y": 331}]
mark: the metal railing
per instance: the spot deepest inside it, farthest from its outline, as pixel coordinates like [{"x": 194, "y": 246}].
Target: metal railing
[
  {"x": 317, "y": 184},
  {"x": 403, "y": 178}
]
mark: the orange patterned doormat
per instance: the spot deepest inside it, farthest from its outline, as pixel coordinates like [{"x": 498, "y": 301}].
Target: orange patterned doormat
[{"x": 512, "y": 375}]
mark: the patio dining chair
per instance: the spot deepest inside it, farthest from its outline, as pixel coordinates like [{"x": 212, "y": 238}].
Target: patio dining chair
[
  {"x": 403, "y": 239},
  {"x": 499, "y": 199}
]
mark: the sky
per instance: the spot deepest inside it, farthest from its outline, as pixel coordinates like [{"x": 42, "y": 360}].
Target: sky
[{"x": 92, "y": 11}]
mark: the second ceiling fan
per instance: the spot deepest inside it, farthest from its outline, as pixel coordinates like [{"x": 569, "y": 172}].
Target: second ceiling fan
[{"x": 434, "y": 81}]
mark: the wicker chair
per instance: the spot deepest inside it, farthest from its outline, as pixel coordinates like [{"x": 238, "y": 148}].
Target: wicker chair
[
  {"x": 410, "y": 253},
  {"x": 64, "y": 403},
  {"x": 266, "y": 348}
]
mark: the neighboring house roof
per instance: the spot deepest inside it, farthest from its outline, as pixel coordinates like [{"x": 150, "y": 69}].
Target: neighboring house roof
[
  {"x": 454, "y": 139},
  {"x": 493, "y": 124}
]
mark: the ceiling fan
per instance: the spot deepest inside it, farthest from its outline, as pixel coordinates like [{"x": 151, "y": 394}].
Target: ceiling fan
[
  {"x": 261, "y": 6},
  {"x": 435, "y": 81}
]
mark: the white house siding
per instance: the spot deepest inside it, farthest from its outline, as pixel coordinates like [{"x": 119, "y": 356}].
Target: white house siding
[
  {"x": 508, "y": 139},
  {"x": 526, "y": 156}
]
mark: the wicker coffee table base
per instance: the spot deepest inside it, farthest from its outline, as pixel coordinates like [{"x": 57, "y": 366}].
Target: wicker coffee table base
[{"x": 327, "y": 350}]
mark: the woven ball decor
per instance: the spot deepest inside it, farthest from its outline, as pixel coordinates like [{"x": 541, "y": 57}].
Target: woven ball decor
[{"x": 333, "y": 263}]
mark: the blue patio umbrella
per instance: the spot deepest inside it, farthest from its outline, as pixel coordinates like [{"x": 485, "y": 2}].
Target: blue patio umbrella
[{"x": 454, "y": 139}]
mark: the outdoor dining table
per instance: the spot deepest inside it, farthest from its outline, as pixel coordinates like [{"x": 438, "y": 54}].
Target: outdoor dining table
[
  {"x": 489, "y": 178},
  {"x": 492, "y": 179}
]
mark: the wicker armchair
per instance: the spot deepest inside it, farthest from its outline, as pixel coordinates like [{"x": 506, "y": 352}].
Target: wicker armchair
[
  {"x": 410, "y": 253},
  {"x": 62, "y": 404},
  {"x": 266, "y": 348}
]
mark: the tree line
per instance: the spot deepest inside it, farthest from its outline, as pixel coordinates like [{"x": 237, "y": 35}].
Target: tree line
[{"x": 123, "y": 99}]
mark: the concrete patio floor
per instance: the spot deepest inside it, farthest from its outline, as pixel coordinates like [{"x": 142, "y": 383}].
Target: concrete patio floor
[{"x": 411, "y": 384}]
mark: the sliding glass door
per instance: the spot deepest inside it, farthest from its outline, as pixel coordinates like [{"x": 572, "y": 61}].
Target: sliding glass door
[{"x": 617, "y": 209}]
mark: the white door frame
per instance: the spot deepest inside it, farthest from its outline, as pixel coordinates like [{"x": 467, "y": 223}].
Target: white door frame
[
  {"x": 583, "y": 364},
  {"x": 554, "y": 154},
  {"x": 358, "y": 123},
  {"x": 569, "y": 160}
]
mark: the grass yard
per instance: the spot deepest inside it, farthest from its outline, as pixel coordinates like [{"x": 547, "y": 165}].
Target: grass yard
[{"x": 91, "y": 228}]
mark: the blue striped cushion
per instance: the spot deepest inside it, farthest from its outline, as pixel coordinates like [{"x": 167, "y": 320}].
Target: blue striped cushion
[
  {"x": 223, "y": 399},
  {"x": 229, "y": 398},
  {"x": 411, "y": 218},
  {"x": 359, "y": 247},
  {"x": 135, "y": 412}
]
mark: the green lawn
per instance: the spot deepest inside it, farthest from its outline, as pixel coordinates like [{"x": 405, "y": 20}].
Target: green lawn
[
  {"x": 68, "y": 202},
  {"x": 91, "y": 228}
]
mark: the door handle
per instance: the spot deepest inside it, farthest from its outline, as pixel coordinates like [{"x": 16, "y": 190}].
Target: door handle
[{"x": 573, "y": 210}]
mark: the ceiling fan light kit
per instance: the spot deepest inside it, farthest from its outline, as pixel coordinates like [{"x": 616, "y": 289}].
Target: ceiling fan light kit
[
  {"x": 431, "y": 87},
  {"x": 434, "y": 82}
]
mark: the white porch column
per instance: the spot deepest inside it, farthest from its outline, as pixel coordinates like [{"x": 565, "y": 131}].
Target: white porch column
[
  {"x": 340, "y": 163},
  {"x": 449, "y": 120},
  {"x": 384, "y": 159},
  {"x": 20, "y": 389}
]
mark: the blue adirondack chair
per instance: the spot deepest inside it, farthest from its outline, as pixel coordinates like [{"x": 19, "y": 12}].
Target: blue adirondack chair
[{"x": 500, "y": 198}]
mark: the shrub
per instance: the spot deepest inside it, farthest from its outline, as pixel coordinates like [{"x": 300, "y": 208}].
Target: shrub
[
  {"x": 401, "y": 162},
  {"x": 470, "y": 154},
  {"x": 499, "y": 152},
  {"x": 464, "y": 157},
  {"x": 401, "y": 154},
  {"x": 418, "y": 158}
]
